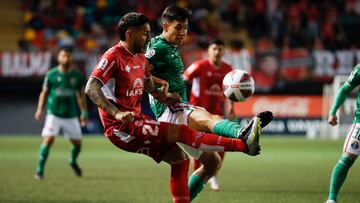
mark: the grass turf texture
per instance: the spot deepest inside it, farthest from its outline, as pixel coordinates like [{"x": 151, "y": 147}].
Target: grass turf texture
[{"x": 290, "y": 169}]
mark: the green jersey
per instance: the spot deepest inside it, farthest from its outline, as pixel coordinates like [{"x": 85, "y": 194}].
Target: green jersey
[
  {"x": 167, "y": 65},
  {"x": 352, "y": 82},
  {"x": 62, "y": 88}
]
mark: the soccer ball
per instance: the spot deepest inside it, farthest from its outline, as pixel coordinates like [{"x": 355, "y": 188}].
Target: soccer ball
[{"x": 238, "y": 85}]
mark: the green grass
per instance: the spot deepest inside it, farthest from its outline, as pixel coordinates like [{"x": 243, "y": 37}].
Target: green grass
[{"x": 289, "y": 170}]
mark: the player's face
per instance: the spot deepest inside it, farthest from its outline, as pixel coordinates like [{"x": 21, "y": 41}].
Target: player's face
[
  {"x": 176, "y": 31},
  {"x": 216, "y": 52},
  {"x": 141, "y": 37},
  {"x": 64, "y": 58}
]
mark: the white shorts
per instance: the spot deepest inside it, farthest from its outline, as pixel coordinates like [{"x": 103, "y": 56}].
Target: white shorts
[
  {"x": 70, "y": 127},
  {"x": 352, "y": 142},
  {"x": 179, "y": 114}
]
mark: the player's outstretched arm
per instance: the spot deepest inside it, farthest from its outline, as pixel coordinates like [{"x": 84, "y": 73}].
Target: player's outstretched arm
[{"x": 93, "y": 90}]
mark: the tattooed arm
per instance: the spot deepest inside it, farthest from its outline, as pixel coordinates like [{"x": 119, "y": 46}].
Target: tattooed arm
[{"x": 93, "y": 90}]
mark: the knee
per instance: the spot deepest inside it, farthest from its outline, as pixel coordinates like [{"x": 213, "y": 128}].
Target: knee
[{"x": 211, "y": 163}]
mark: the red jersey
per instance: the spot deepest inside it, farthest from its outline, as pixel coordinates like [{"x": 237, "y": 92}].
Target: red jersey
[
  {"x": 207, "y": 89},
  {"x": 122, "y": 74}
]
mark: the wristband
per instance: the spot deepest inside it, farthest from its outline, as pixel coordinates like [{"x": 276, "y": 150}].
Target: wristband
[{"x": 84, "y": 114}]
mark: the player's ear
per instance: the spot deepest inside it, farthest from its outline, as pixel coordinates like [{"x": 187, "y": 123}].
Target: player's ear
[
  {"x": 165, "y": 26},
  {"x": 128, "y": 34}
]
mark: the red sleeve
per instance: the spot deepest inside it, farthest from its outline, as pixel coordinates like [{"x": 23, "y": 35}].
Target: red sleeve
[
  {"x": 192, "y": 71},
  {"x": 105, "y": 69}
]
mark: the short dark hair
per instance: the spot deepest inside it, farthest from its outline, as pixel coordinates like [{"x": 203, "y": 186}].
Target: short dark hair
[
  {"x": 172, "y": 13},
  {"x": 132, "y": 19},
  {"x": 67, "y": 49},
  {"x": 217, "y": 42}
]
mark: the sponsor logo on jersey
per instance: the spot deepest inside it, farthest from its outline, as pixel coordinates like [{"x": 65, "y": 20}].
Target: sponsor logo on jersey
[
  {"x": 137, "y": 88},
  {"x": 103, "y": 63},
  {"x": 150, "y": 53},
  {"x": 355, "y": 145},
  {"x": 108, "y": 69},
  {"x": 128, "y": 68},
  {"x": 214, "y": 90},
  {"x": 138, "y": 83}
]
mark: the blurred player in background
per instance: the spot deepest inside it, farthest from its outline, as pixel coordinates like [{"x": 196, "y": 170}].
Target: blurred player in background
[
  {"x": 163, "y": 54},
  {"x": 63, "y": 89},
  {"x": 351, "y": 148},
  {"x": 116, "y": 86},
  {"x": 206, "y": 77}
]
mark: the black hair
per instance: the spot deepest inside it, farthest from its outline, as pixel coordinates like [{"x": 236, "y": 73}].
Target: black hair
[
  {"x": 132, "y": 19},
  {"x": 217, "y": 42},
  {"x": 172, "y": 13},
  {"x": 67, "y": 49}
]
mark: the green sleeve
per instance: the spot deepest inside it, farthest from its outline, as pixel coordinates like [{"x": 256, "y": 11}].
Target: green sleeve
[{"x": 340, "y": 97}]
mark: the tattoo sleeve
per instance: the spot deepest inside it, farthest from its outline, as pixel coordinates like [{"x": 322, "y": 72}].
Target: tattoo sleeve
[{"x": 93, "y": 90}]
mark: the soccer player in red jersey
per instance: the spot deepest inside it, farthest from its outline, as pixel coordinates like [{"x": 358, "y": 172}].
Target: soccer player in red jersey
[
  {"x": 206, "y": 77},
  {"x": 116, "y": 86}
]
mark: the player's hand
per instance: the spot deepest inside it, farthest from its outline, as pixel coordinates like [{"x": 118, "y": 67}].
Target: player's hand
[
  {"x": 38, "y": 115},
  {"x": 333, "y": 120},
  {"x": 83, "y": 120},
  {"x": 125, "y": 117},
  {"x": 172, "y": 98},
  {"x": 161, "y": 92}
]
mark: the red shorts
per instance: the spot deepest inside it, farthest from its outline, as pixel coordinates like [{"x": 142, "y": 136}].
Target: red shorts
[{"x": 145, "y": 136}]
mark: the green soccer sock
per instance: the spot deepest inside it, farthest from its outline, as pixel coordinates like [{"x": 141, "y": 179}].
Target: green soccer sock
[
  {"x": 338, "y": 176},
  {"x": 43, "y": 154},
  {"x": 227, "y": 128},
  {"x": 74, "y": 153},
  {"x": 196, "y": 185}
]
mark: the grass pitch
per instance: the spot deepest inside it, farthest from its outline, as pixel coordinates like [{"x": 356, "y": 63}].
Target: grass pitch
[{"x": 290, "y": 169}]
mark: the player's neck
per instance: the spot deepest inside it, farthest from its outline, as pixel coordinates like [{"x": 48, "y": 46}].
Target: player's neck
[
  {"x": 216, "y": 63},
  {"x": 167, "y": 38},
  {"x": 128, "y": 47},
  {"x": 64, "y": 69}
]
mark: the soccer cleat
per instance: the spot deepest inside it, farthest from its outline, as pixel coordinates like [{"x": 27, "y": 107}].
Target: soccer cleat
[
  {"x": 265, "y": 117},
  {"x": 76, "y": 169},
  {"x": 214, "y": 183},
  {"x": 38, "y": 176},
  {"x": 330, "y": 201},
  {"x": 252, "y": 137}
]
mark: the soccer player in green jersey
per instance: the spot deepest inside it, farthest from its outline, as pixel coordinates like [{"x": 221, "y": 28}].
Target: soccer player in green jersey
[
  {"x": 63, "y": 89},
  {"x": 351, "y": 148},
  {"x": 164, "y": 55}
]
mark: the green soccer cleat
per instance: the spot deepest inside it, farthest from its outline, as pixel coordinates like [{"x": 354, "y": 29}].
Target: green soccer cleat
[
  {"x": 250, "y": 134},
  {"x": 330, "y": 201}
]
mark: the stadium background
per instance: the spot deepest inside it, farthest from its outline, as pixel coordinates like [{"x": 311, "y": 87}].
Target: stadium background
[{"x": 291, "y": 47}]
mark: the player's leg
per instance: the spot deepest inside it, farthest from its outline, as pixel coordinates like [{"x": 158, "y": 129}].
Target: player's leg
[
  {"x": 214, "y": 181},
  {"x": 74, "y": 153},
  {"x": 211, "y": 164},
  {"x": 50, "y": 130},
  {"x": 179, "y": 164},
  {"x": 72, "y": 131},
  {"x": 211, "y": 142},
  {"x": 342, "y": 167},
  {"x": 201, "y": 120},
  {"x": 43, "y": 155}
]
